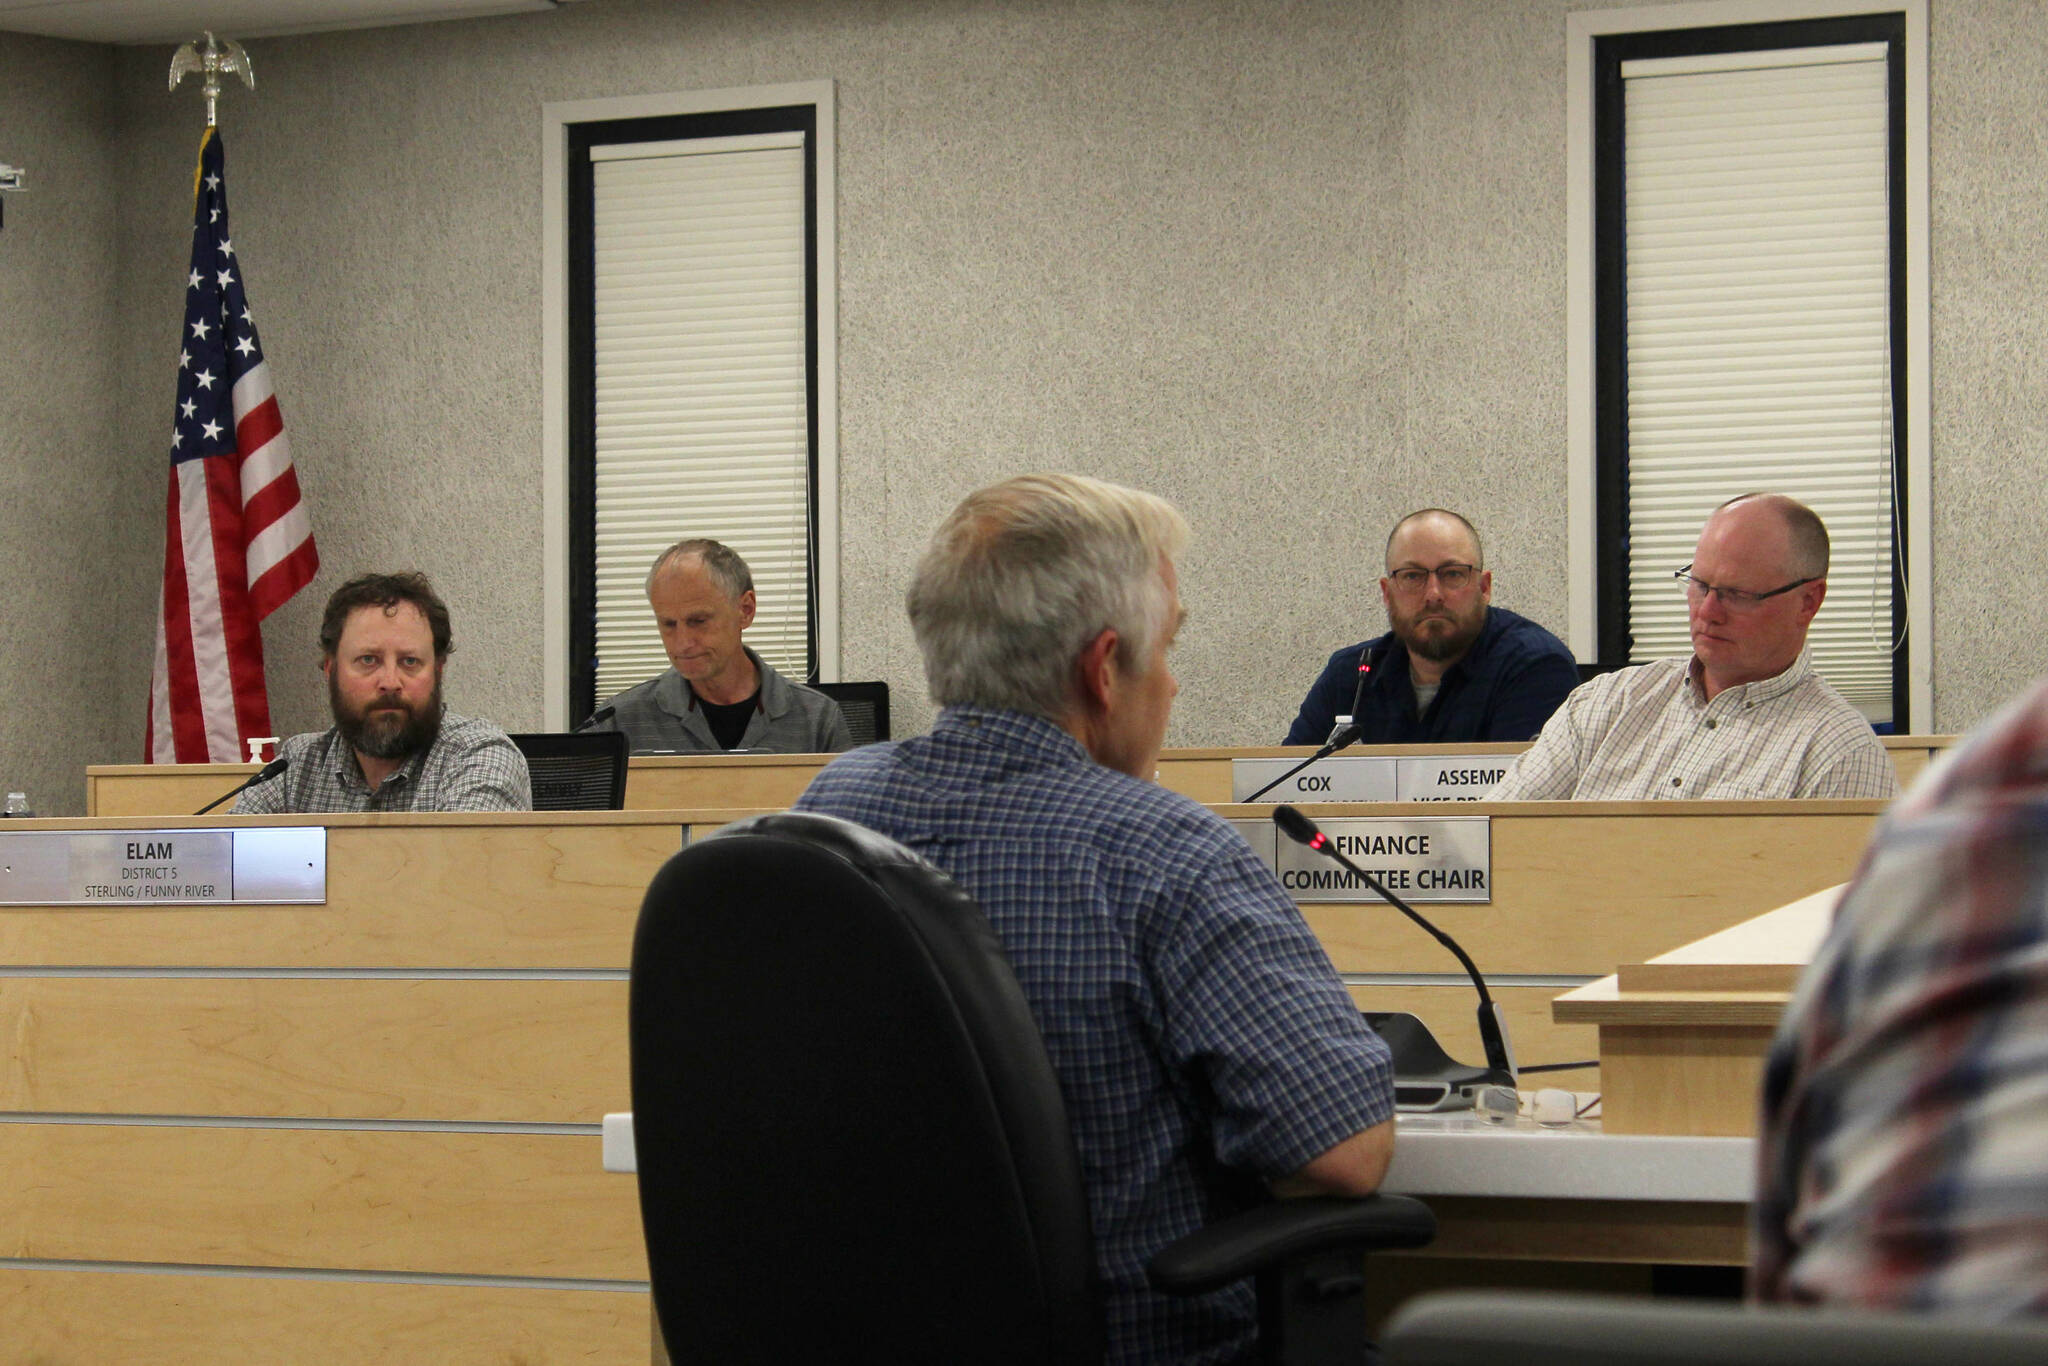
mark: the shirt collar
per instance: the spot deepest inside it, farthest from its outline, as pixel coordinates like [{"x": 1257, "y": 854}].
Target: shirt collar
[
  {"x": 1750, "y": 694},
  {"x": 762, "y": 689},
  {"x": 1012, "y": 732}
]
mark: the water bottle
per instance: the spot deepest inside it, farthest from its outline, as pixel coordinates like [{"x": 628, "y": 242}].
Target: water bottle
[{"x": 17, "y": 807}]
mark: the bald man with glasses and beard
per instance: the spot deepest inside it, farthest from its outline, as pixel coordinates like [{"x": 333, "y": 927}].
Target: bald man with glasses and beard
[
  {"x": 1452, "y": 667},
  {"x": 1745, "y": 716}
]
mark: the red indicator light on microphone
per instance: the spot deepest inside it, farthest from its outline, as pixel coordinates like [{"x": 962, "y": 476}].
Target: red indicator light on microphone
[{"x": 1318, "y": 842}]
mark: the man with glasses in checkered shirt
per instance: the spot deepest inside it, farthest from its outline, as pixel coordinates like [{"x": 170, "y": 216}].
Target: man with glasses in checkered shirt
[
  {"x": 1744, "y": 716},
  {"x": 1204, "y": 1046}
]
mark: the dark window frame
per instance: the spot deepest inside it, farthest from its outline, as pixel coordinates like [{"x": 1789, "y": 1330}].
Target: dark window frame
[
  {"x": 582, "y": 354},
  {"x": 1610, "y": 310}
]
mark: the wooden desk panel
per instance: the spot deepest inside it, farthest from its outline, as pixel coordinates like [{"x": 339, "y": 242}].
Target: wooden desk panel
[
  {"x": 1684, "y": 1053},
  {"x": 475, "y": 1204},
  {"x": 1625, "y": 1231},
  {"x": 1581, "y": 886},
  {"x": 300, "y": 1095},
  {"x": 490, "y": 891},
  {"x": 526, "y": 896},
  {"x": 98, "y": 1318},
  {"x": 325, "y": 1048}
]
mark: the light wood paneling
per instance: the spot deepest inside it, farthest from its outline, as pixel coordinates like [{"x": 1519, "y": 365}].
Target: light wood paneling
[
  {"x": 1451, "y": 1012},
  {"x": 532, "y": 1051},
  {"x": 151, "y": 790},
  {"x": 696, "y": 782},
  {"x": 88, "y": 1318},
  {"x": 466, "y": 1203},
  {"x": 1699, "y": 1080},
  {"x": 402, "y": 892},
  {"x": 1583, "y": 887}
]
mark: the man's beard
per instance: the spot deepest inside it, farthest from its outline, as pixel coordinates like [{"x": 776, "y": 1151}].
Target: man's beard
[
  {"x": 388, "y": 728},
  {"x": 1439, "y": 646}
]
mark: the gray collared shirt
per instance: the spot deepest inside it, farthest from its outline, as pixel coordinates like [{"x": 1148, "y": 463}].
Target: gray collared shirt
[
  {"x": 471, "y": 766},
  {"x": 1650, "y": 732},
  {"x": 662, "y": 715}
]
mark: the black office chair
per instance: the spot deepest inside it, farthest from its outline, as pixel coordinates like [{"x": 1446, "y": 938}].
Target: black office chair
[
  {"x": 579, "y": 771},
  {"x": 1534, "y": 1329},
  {"x": 865, "y": 706},
  {"x": 851, "y": 1141}
]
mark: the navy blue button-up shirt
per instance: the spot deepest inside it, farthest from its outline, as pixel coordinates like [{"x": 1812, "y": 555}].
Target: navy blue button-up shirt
[
  {"x": 1507, "y": 685},
  {"x": 1198, "y": 1031}
]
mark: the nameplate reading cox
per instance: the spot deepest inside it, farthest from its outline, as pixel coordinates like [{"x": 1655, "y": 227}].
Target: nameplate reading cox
[
  {"x": 1339, "y": 778},
  {"x": 135, "y": 868},
  {"x": 1372, "y": 778},
  {"x": 1437, "y": 858}
]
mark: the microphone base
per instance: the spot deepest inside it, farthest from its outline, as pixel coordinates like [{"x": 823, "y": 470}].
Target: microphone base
[{"x": 1428, "y": 1080}]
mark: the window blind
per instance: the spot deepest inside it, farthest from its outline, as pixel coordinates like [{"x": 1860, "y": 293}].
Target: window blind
[
  {"x": 1758, "y": 304},
  {"x": 702, "y": 408}
]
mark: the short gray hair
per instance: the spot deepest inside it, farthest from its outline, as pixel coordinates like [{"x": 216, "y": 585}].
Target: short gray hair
[
  {"x": 1023, "y": 574},
  {"x": 722, "y": 563}
]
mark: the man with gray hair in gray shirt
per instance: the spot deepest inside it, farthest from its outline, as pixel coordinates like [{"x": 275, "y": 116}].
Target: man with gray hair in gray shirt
[{"x": 717, "y": 694}]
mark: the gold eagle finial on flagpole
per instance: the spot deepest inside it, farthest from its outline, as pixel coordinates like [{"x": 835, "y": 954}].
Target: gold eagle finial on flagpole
[{"x": 225, "y": 56}]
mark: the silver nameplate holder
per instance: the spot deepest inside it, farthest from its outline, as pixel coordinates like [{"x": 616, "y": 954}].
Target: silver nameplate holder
[
  {"x": 1435, "y": 858},
  {"x": 1339, "y": 778},
  {"x": 271, "y": 865},
  {"x": 1454, "y": 778}
]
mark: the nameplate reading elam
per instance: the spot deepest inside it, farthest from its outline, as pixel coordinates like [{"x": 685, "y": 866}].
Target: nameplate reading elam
[{"x": 268, "y": 866}]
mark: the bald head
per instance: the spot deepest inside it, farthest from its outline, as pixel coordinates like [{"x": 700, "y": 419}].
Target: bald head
[
  {"x": 1436, "y": 523},
  {"x": 1803, "y": 549}
]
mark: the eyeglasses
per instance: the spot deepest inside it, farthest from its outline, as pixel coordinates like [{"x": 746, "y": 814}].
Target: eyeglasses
[
  {"x": 1451, "y": 576},
  {"x": 1734, "y": 599}
]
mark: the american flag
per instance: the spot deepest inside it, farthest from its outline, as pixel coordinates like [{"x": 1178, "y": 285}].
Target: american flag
[{"x": 238, "y": 542}]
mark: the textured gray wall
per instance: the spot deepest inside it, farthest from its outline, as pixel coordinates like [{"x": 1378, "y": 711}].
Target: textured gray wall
[
  {"x": 64, "y": 535},
  {"x": 1297, "y": 264},
  {"x": 1988, "y": 145}
]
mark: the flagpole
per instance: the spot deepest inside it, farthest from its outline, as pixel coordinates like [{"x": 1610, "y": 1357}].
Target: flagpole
[
  {"x": 216, "y": 58},
  {"x": 238, "y": 542}
]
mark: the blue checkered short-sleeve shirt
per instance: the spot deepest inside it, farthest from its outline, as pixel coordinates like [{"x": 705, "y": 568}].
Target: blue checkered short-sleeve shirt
[{"x": 1199, "y": 1033}]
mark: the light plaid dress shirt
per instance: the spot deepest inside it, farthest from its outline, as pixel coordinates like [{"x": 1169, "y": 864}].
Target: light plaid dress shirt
[
  {"x": 471, "y": 766},
  {"x": 1903, "y": 1152},
  {"x": 1650, "y": 732},
  {"x": 1200, "y": 1036}
]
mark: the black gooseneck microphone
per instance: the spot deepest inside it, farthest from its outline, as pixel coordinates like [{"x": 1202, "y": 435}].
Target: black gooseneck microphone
[
  {"x": 1346, "y": 736},
  {"x": 1368, "y": 660},
  {"x": 263, "y": 775},
  {"x": 1493, "y": 1035}
]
